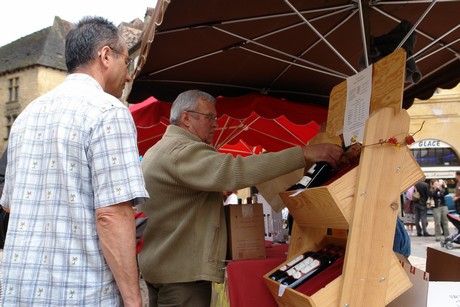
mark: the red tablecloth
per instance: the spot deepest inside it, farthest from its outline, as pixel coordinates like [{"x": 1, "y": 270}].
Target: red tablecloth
[{"x": 246, "y": 286}]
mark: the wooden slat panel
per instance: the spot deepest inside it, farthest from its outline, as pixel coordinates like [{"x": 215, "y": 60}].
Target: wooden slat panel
[
  {"x": 371, "y": 235},
  {"x": 387, "y": 90}
]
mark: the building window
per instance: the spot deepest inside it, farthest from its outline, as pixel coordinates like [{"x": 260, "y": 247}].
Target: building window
[
  {"x": 13, "y": 89},
  {"x": 9, "y": 123},
  {"x": 430, "y": 157}
]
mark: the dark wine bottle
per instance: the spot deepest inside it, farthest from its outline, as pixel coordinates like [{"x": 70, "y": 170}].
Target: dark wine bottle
[
  {"x": 282, "y": 270},
  {"x": 288, "y": 271},
  {"x": 311, "y": 266},
  {"x": 321, "y": 172},
  {"x": 318, "y": 174}
]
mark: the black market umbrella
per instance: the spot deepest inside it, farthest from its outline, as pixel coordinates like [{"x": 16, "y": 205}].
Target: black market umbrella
[{"x": 293, "y": 49}]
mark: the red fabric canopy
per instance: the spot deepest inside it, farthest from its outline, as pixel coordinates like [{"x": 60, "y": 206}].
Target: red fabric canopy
[
  {"x": 272, "y": 134},
  {"x": 241, "y": 148},
  {"x": 244, "y": 122}
]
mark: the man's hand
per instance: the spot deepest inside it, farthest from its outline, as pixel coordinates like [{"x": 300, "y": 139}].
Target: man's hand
[{"x": 329, "y": 153}]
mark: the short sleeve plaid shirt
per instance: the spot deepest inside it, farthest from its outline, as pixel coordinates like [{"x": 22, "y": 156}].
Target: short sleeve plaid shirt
[{"x": 71, "y": 151}]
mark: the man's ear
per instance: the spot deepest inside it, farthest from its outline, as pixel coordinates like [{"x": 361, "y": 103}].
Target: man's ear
[
  {"x": 104, "y": 56},
  {"x": 185, "y": 119}
]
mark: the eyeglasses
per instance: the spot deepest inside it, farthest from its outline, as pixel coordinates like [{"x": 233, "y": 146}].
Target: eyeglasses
[
  {"x": 209, "y": 116},
  {"x": 128, "y": 59}
]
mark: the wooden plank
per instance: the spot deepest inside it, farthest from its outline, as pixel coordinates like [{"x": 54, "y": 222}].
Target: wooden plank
[
  {"x": 315, "y": 208},
  {"x": 304, "y": 240},
  {"x": 387, "y": 90},
  {"x": 370, "y": 242},
  {"x": 398, "y": 281},
  {"x": 412, "y": 173}
]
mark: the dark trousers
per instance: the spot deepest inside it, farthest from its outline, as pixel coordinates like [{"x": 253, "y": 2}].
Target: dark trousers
[
  {"x": 420, "y": 216},
  {"x": 4, "y": 217},
  {"x": 187, "y": 294}
]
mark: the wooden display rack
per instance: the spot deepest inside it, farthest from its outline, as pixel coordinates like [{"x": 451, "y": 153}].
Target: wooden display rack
[{"x": 364, "y": 201}]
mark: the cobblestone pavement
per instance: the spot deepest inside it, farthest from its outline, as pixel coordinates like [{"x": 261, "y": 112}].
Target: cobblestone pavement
[{"x": 419, "y": 245}]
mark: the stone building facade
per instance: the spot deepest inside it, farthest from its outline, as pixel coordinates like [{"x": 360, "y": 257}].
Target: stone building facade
[
  {"x": 30, "y": 66},
  {"x": 441, "y": 114},
  {"x": 35, "y": 64},
  {"x": 438, "y": 141}
]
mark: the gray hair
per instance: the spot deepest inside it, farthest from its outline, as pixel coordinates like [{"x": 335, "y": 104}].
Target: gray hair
[{"x": 187, "y": 101}]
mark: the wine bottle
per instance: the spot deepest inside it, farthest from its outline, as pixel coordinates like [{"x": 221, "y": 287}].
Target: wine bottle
[
  {"x": 286, "y": 270},
  {"x": 321, "y": 172},
  {"x": 318, "y": 174},
  {"x": 282, "y": 270},
  {"x": 311, "y": 266}
]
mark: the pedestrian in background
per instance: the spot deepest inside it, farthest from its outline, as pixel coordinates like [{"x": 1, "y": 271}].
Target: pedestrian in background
[
  {"x": 72, "y": 177},
  {"x": 409, "y": 220},
  {"x": 438, "y": 191},
  {"x": 420, "y": 209}
]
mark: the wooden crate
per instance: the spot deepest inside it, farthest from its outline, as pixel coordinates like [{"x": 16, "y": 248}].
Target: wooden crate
[
  {"x": 364, "y": 202},
  {"x": 332, "y": 206},
  {"x": 329, "y": 296}
]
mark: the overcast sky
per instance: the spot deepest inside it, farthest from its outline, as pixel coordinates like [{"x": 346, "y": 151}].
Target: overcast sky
[{"x": 19, "y": 18}]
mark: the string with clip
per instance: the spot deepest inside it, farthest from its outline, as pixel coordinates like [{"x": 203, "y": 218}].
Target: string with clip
[{"x": 408, "y": 139}]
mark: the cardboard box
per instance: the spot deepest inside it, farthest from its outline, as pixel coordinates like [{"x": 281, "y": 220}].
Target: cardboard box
[
  {"x": 245, "y": 228},
  {"x": 416, "y": 296},
  {"x": 438, "y": 286},
  {"x": 442, "y": 265}
]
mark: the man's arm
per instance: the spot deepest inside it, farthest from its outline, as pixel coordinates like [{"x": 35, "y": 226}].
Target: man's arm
[{"x": 117, "y": 235}]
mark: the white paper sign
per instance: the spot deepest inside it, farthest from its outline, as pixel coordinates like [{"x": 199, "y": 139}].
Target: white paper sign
[
  {"x": 444, "y": 293},
  {"x": 359, "y": 90}
]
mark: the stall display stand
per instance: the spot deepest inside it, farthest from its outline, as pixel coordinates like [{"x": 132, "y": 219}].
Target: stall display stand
[{"x": 362, "y": 205}]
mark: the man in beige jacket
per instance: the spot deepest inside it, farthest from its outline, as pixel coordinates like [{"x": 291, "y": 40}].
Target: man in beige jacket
[{"x": 186, "y": 236}]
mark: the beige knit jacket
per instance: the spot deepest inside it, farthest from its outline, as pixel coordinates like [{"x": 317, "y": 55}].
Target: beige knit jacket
[{"x": 186, "y": 236}]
